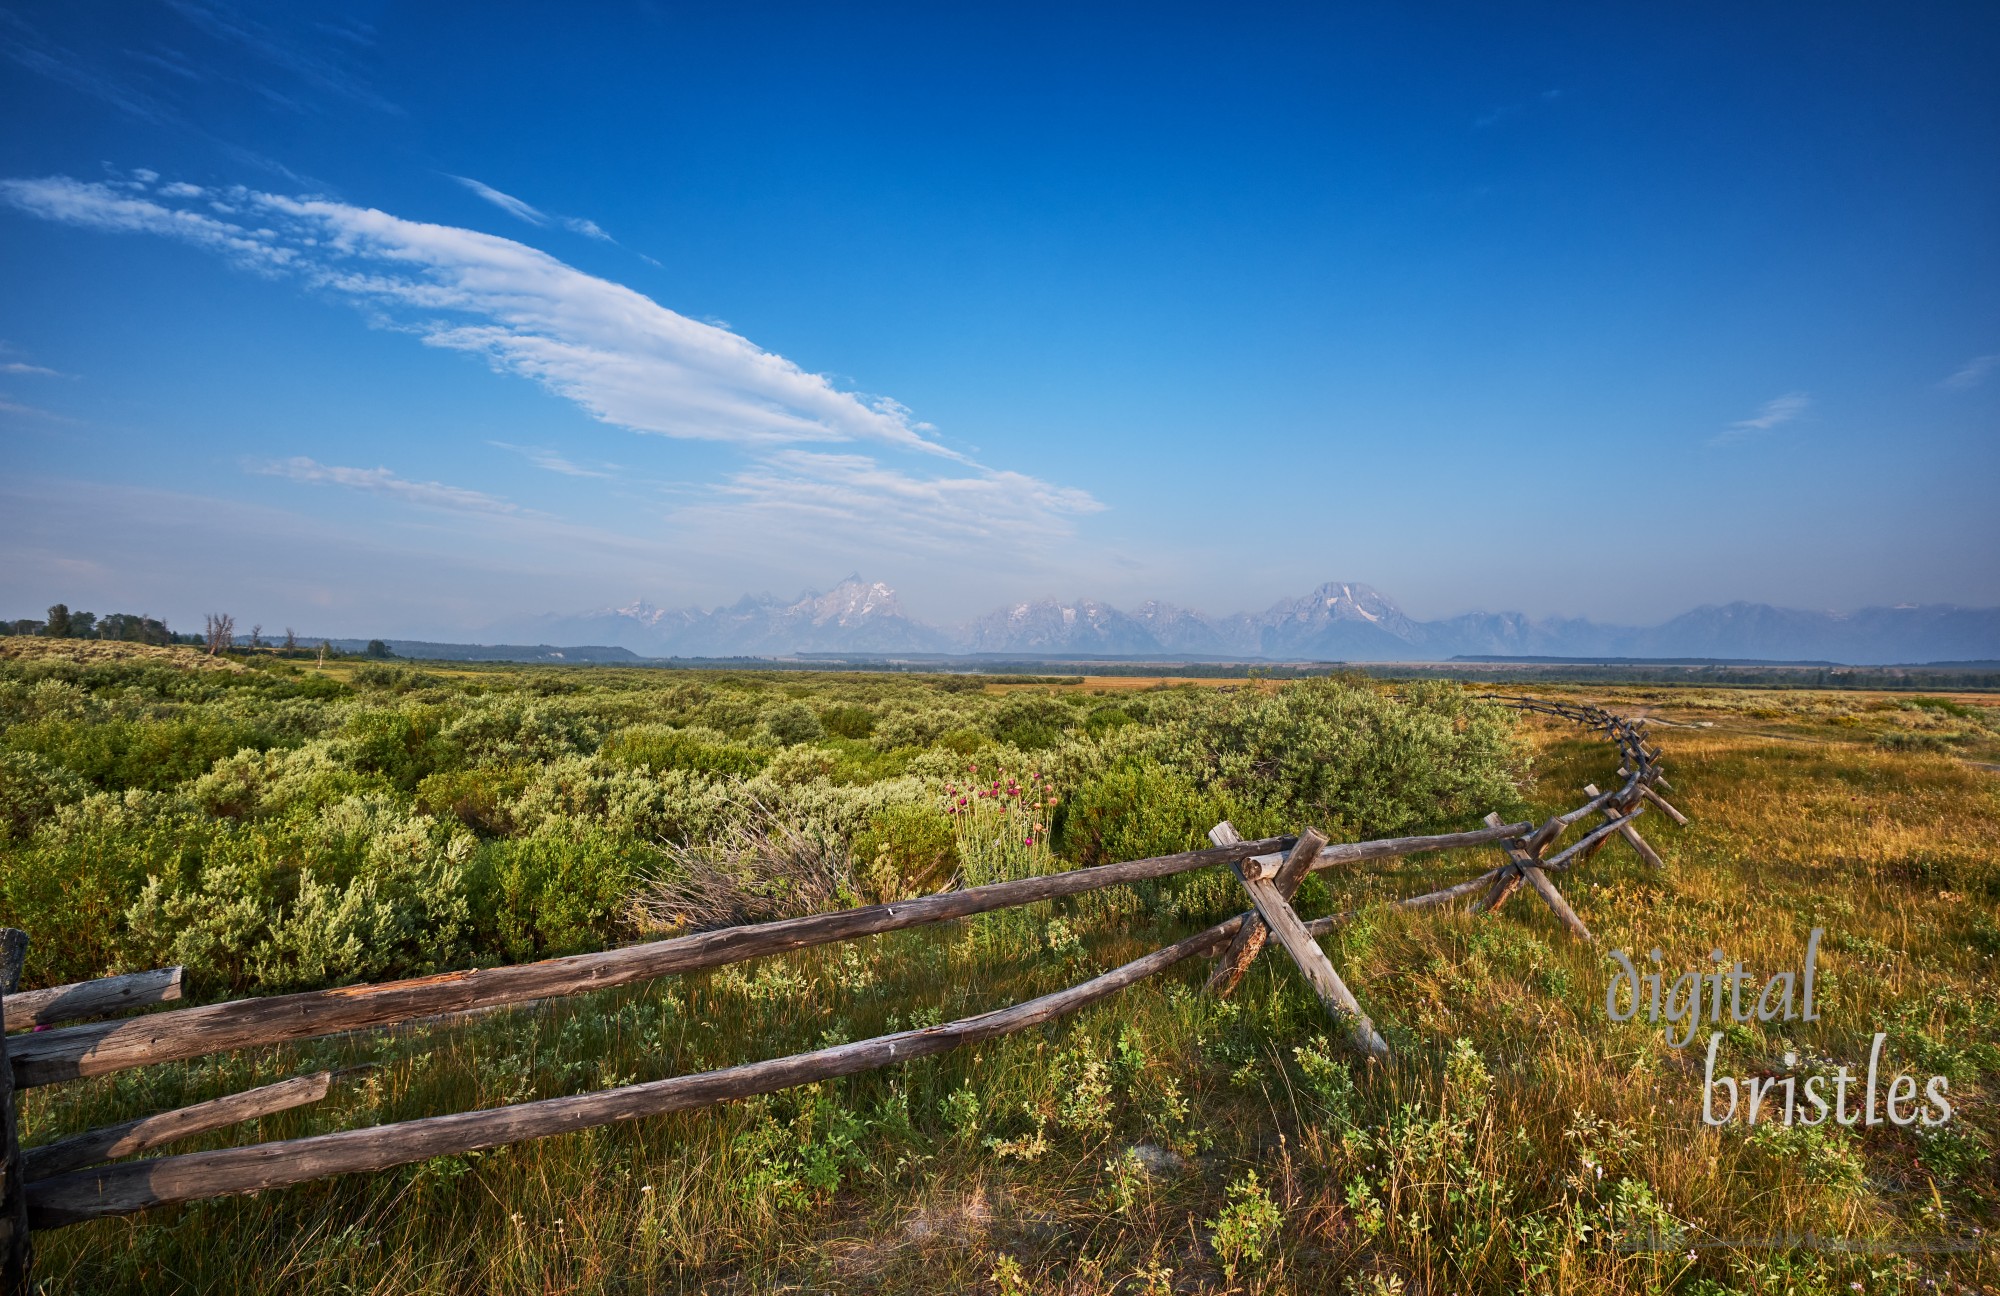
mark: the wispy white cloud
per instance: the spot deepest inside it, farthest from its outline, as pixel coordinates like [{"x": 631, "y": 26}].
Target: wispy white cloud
[
  {"x": 120, "y": 208},
  {"x": 533, "y": 215},
  {"x": 549, "y": 461},
  {"x": 166, "y": 60},
  {"x": 506, "y": 202},
  {"x": 618, "y": 355},
  {"x": 1772, "y": 414},
  {"x": 621, "y": 356},
  {"x": 33, "y": 370},
  {"x": 29, "y": 49},
  {"x": 304, "y": 60},
  {"x": 1783, "y": 409},
  {"x": 128, "y": 79},
  {"x": 381, "y": 481},
  {"x": 1972, "y": 373},
  {"x": 813, "y": 495}
]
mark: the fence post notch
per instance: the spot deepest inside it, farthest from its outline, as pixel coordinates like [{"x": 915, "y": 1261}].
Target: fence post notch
[
  {"x": 1250, "y": 938},
  {"x": 1283, "y": 922},
  {"x": 1526, "y": 865}
]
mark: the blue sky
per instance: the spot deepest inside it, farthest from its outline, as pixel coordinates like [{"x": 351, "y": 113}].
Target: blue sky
[{"x": 414, "y": 319}]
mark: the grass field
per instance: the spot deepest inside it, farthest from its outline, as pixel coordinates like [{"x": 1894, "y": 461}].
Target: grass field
[{"x": 1166, "y": 1141}]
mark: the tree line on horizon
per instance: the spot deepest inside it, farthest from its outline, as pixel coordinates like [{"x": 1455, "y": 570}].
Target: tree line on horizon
[
  {"x": 127, "y": 627},
  {"x": 218, "y": 633}
]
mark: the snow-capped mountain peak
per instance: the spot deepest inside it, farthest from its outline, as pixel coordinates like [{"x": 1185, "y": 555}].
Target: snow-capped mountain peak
[{"x": 1339, "y": 621}]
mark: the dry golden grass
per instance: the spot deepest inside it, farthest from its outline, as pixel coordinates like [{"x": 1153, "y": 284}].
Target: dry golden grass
[{"x": 96, "y": 651}]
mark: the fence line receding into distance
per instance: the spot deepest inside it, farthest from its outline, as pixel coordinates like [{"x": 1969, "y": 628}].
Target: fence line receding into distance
[{"x": 63, "y": 1183}]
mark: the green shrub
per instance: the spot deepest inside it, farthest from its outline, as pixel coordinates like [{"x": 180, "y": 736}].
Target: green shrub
[
  {"x": 909, "y": 725},
  {"x": 1136, "y": 810},
  {"x": 509, "y": 729},
  {"x": 1326, "y": 1076},
  {"x": 558, "y": 892},
  {"x": 1104, "y": 719},
  {"x": 1243, "y": 1233},
  {"x": 393, "y": 679},
  {"x": 70, "y": 885},
  {"x": 1348, "y": 758},
  {"x": 482, "y": 798},
  {"x": 848, "y": 721},
  {"x": 905, "y": 850},
  {"x": 405, "y": 746},
  {"x": 791, "y": 723},
  {"x": 146, "y": 754},
  {"x": 1031, "y": 721},
  {"x": 661, "y": 748},
  {"x": 31, "y": 790},
  {"x": 358, "y": 892},
  {"x": 835, "y": 760},
  {"x": 254, "y": 784}
]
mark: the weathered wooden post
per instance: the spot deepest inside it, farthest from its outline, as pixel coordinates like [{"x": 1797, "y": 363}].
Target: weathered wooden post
[
  {"x": 1617, "y": 812},
  {"x": 1527, "y": 864},
  {"x": 1660, "y": 802},
  {"x": 1282, "y": 921},
  {"x": 1243, "y": 951},
  {"x": 16, "y": 1254}
]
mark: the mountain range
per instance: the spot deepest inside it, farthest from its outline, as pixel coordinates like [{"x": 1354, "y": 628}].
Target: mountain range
[{"x": 1339, "y": 621}]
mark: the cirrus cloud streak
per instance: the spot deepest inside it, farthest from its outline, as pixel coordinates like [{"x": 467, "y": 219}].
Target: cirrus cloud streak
[
  {"x": 618, "y": 355},
  {"x": 381, "y": 481}
]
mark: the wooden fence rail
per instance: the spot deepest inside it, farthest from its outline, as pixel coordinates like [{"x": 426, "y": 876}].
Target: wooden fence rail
[
  {"x": 147, "y": 1132},
  {"x": 76, "y": 1052},
  {"x": 99, "y": 998},
  {"x": 49, "y": 1186}
]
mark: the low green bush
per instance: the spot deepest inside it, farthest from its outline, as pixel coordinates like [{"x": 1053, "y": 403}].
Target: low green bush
[
  {"x": 146, "y": 754},
  {"x": 31, "y": 790},
  {"x": 70, "y": 885},
  {"x": 905, "y": 850},
  {"x": 1135, "y": 810},
  {"x": 847, "y": 721},
  {"x": 1350, "y": 758},
  {"x": 361, "y": 890},
  {"x": 660, "y": 748},
  {"x": 405, "y": 745},
  {"x": 558, "y": 892},
  {"x": 273, "y": 830},
  {"x": 791, "y": 723},
  {"x": 1031, "y": 721},
  {"x": 482, "y": 798}
]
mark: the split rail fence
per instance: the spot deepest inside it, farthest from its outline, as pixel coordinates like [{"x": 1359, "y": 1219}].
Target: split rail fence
[{"x": 81, "y": 1177}]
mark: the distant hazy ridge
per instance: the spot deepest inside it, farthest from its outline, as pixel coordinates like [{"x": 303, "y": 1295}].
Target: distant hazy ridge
[{"x": 1340, "y": 621}]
